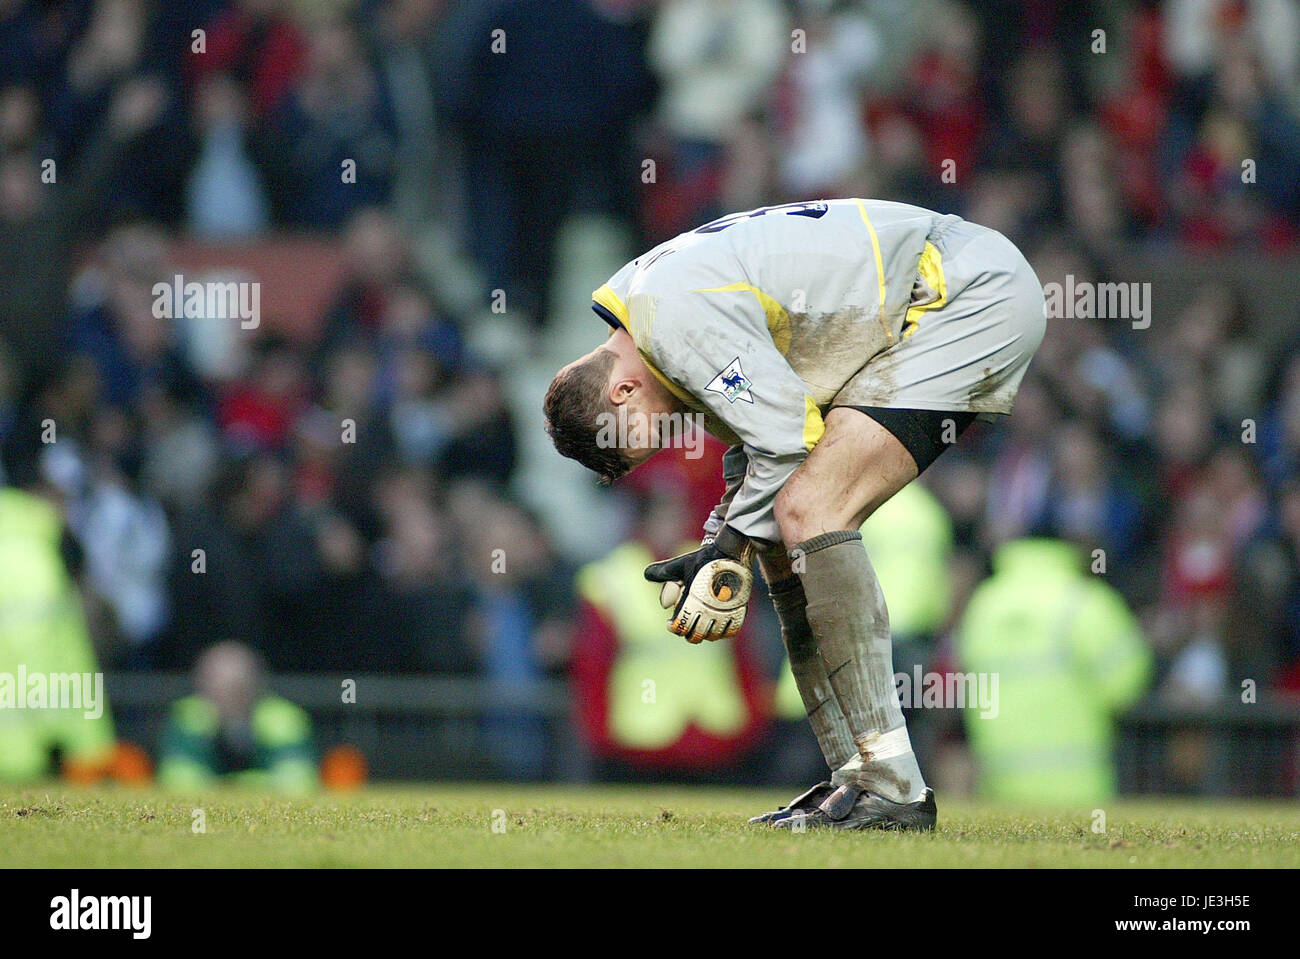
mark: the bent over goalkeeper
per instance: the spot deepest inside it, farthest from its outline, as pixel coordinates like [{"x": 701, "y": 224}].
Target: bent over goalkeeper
[{"x": 839, "y": 347}]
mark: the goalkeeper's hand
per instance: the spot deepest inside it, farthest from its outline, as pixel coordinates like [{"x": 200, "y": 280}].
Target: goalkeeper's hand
[{"x": 708, "y": 588}]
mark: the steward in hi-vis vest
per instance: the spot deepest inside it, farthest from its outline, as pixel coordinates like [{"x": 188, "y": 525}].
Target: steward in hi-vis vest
[
  {"x": 650, "y": 703},
  {"x": 50, "y": 686},
  {"x": 233, "y": 729},
  {"x": 1069, "y": 656}
]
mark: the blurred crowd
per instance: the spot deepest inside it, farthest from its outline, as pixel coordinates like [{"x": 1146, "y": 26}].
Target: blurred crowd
[{"x": 230, "y": 501}]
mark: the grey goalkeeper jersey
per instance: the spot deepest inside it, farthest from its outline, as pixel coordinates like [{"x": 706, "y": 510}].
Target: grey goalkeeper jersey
[{"x": 758, "y": 321}]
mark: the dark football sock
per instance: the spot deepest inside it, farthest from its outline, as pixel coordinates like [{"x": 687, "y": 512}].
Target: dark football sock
[
  {"x": 828, "y": 723},
  {"x": 847, "y": 616}
]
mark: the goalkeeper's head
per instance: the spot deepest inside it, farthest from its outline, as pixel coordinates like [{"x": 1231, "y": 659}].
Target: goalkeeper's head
[{"x": 605, "y": 410}]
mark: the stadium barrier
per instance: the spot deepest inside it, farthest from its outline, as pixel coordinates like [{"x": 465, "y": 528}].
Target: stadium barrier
[
  {"x": 439, "y": 727},
  {"x": 1223, "y": 748},
  {"x": 408, "y": 727}
]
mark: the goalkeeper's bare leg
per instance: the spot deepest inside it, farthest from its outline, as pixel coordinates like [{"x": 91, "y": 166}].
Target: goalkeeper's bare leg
[{"x": 856, "y": 467}]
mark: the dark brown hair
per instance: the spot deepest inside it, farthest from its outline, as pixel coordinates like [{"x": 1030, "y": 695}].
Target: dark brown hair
[{"x": 573, "y": 406}]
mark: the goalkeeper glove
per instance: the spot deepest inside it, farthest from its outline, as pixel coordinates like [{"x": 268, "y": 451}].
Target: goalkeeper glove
[{"x": 708, "y": 588}]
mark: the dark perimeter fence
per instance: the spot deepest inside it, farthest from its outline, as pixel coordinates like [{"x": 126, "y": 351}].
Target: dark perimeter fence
[{"x": 444, "y": 728}]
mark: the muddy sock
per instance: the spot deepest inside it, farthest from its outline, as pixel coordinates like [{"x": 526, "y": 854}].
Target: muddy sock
[
  {"x": 846, "y": 614},
  {"x": 828, "y": 724}
]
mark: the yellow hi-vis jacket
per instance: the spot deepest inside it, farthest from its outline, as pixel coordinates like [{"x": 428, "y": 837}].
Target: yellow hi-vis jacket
[
  {"x": 657, "y": 685},
  {"x": 44, "y": 645},
  {"x": 909, "y": 540},
  {"x": 282, "y": 758},
  {"x": 1068, "y": 655}
]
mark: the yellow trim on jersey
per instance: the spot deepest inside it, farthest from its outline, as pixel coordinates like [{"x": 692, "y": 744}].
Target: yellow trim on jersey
[
  {"x": 813, "y": 425},
  {"x": 880, "y": 268},
  {"x": 931, "y": 270},
  {"x": 778, "y": 320},
  {"x": 611, "y": 301},
  {"x": 639, "y": 330}
]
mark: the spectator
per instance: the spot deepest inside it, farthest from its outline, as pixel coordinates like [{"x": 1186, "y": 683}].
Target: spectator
[
  {"x": 226, "y": 199},
  {"x": 1090, "y": 500},
  {"x": 39, "y": 226},
  {"x": 331, "y": 144},
  {"x": 521, "y": 608},
  {"x": 231, "y": 729},
  {"x": 427, "y": 598},
  {"x": 377, "y": 263},
  {"x": 403, "y": 36},
  {"x": 112, "y": 58},
  {"x": 545, "y": 129},
  {"x": 124, "y": 534},
  {"x": 259, "y": 44}
]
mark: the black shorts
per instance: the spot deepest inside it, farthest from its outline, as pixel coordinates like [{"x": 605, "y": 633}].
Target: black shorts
[{"x": 922, "y": 432}]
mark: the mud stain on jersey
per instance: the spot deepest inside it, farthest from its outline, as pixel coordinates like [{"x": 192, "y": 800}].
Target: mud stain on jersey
[
  {"x": 827, "y": 349},
  {"x": 982, "y": 396},
  {"x": 876, "y": 384}
]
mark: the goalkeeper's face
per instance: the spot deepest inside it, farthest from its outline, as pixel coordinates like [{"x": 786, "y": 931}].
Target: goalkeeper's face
[{"x": 605, "y": 411}]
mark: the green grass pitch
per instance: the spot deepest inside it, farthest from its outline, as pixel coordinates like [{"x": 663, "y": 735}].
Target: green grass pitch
[{"x": 507, "y": 826}]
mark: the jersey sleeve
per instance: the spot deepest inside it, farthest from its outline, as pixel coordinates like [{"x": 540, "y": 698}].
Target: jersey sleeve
[
  {"x": 715, "y": 345},
  {"x": 734, "y": 467}
]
